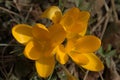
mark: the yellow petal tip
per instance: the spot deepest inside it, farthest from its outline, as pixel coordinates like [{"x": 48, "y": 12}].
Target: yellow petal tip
[{"x": 22, "y": 33}]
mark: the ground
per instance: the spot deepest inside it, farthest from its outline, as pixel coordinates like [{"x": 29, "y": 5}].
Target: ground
[{"x": 104, "y": 23}]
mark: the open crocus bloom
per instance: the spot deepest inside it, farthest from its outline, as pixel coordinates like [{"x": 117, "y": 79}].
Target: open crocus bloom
[
  {"x": 73, "y": 20},
  {"x": 79, "y": 48},
  {"x": 40, "y": 43}
]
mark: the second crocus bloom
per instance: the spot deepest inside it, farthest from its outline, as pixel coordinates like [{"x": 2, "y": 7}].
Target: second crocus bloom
[{"x": 79, "y": 47}]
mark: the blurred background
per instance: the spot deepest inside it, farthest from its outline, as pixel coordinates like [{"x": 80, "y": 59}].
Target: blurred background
[{"x": 104, "y": 23}]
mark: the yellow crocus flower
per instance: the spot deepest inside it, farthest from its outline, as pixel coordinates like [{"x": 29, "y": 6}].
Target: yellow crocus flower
[
  {"x": 79, "y": 48},
  {"x": 40, "y": 43},
  {"x": 73, "y": 19}
]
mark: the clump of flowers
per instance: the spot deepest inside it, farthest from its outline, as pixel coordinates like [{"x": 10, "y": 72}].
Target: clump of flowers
[{"x": 45, "y": 44}]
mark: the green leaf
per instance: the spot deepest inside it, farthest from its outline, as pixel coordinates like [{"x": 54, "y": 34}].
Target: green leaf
[
  {"x": 111, "y": 53},
  {"x": 101, "y": 52}
]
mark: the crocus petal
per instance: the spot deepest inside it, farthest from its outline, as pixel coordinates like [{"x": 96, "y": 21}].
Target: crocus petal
[
  {"x": 69, "y": 18},
  {"x": 83, "y": 16},
  {"x": 88, "y": 44},
  {"x": 32, "y": 50},
  {"x": 94, "y": 63},
  {"x": 40, "y": 32},
  {"x": 72, "y": 12},
  {"x": 71, "y": 23},
  {"x": 82, "y": 33},
  {"x": 61, "y": 55},
  {"x": 67, "y": 21},
  {"x": 70, "y": 45},
  {"x": 45, "y": 66},
  {"x": 53, "y": 13},
  {"x": 78, "y": 58},
  {"x": 78, "y": 27},
  {"x": 22, "y": 33},
  {"x": 57, "y": 34}
]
